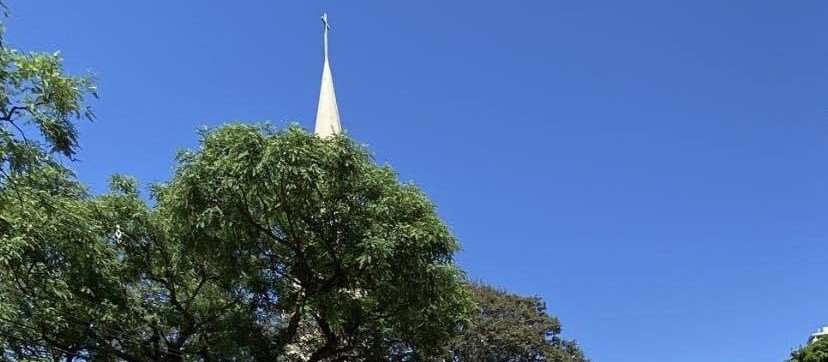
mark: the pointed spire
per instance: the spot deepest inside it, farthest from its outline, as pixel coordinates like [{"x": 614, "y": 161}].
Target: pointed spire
[{"x": 327, "y": 112}]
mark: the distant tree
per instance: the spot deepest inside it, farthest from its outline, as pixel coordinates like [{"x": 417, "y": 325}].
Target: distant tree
[
  {"x": 813, "y": 352},
  {"x": 512, "y": 328}
]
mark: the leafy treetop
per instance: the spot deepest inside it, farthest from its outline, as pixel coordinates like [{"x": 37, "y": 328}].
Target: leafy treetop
[
  {"x": 512, "y": 328},
  {"x": 813, "y": 352}
]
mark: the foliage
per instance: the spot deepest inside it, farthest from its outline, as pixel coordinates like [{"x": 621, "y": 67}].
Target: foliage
[
  {"x": 59, "y": 285},
  {"x": 266, "y": 246},
  {"x": 42, "y": 214},
  {"x": 37, "y": 95},
  {"x": 309, "y": 234},
  {"x": 813, "y": 352},
  {"x": 512, "y": 328}
]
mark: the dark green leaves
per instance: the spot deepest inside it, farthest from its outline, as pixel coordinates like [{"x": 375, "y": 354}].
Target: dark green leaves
[
  {"x": 512, "y": 328},
  {"x": 312, "y": 230},
  {"x": 814, "y": 352},
  {"x": 266, "y": 245}
]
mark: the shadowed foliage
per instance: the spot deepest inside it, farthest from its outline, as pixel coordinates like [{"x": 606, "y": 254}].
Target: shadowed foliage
[{"x": 512, "y": 328}]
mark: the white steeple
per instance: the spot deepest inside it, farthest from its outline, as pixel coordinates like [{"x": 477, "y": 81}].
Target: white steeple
[{"x": 327, "y": 112}]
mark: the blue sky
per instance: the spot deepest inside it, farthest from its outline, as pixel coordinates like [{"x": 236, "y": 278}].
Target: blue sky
[{"x": 655, "y": 170}]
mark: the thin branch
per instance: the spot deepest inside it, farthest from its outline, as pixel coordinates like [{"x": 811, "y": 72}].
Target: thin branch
[{"x": 7, "y": 116}]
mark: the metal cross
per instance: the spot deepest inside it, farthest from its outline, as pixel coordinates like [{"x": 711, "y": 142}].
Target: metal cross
[
  {"x": 325, "y": 22},
  {"x": 327, "y": 29}
]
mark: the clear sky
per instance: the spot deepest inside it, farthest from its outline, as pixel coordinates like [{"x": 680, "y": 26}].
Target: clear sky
[{"x": 656, "y": 170}]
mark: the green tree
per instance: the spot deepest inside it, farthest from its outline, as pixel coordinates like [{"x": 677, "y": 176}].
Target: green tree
[
  {"x": 42, "y": 216},
  {"x": 37, "y": 96},
  {"x": 512, "y": 328},
  {"x": 311, "y": 239},
  {"x": 813, "y": 352},
  {"x": 59, "y": 272},
  {"x": 267, "y": 245}
]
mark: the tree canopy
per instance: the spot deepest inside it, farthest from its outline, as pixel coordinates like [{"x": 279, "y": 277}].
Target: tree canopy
[
  {"x": 268, "y": 245},
  {"x": 311, "y": 238},
  {"x": 37, "y": 95},
  {"x": 52, "y": 250},
  {"x": 512, "y": 328},
  {"x": 813, "y": 352}
]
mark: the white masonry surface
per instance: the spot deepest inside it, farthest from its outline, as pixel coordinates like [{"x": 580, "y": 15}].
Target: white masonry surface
[{"x": 327, "y": 112}]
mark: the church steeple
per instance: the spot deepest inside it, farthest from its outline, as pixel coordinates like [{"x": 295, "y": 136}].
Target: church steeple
[{"x": 327, "y": 112}]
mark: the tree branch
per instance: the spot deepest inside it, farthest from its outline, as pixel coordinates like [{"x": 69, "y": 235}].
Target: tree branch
[{"x": 331, "y": 341}]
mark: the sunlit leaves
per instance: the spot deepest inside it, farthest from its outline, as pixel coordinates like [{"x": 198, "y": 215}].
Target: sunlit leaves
[
  {"x": 39, "y": 105},
  {"x": 314, "y": 222}
]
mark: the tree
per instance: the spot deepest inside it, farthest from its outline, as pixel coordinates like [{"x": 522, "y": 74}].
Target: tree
[
  {"x": 310, "y": 238},
  {"x": 59, "y": 283},
  {"x": 512, "y": 328},
  {"x": 268, "y": 245},
  {"x": 813, "y": 352},
  {"x": 41, "y": 206},
  {"x": 37, "y": 95}
]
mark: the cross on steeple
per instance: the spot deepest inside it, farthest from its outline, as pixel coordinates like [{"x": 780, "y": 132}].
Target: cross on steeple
[
  {"x": 325, "y": 21},
  {"x": 327, "y": 27}
]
